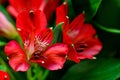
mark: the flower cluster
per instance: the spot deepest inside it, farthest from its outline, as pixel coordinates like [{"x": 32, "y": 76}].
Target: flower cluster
[{"x": 78, "y": 41}]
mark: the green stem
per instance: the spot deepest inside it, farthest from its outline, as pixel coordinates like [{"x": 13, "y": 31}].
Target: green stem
[
  {"x": 45, "y": 74},
  {"x": 29, "y": 74}
]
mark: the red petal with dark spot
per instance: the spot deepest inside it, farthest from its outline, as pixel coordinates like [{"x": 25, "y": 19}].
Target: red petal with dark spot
[
  {"x": 53, "y": 58},
  {"x": 93, "y": 48},
  {"x": 29, "y": 23}
]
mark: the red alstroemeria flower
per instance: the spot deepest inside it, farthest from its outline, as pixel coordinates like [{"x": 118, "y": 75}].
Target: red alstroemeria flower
[
  {"x": 79, "y": 36},
  {"x": 17, "y": 6},
  {"x": 4, "y": 75},
  {"x": 37, "y": 44}
]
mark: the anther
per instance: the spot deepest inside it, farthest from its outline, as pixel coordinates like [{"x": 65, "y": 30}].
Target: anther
[
  {"x": 31, "y": 11},
  {"x": 94, "y": 58},
  {"x": 18, "y": 29},
  {"x": 65, "y": 3},
  {"x": 7, "y": 58},
  {"x": 5, "y": 76},
  {"x": 51, "y": 28},
  {"x": 72, "y": 45},
  {"x": 66, "y": 57},
  {"x": 67, "y": 17},
  {"x": 43, "y": 62}
]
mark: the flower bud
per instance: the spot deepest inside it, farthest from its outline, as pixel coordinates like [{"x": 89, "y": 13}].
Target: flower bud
[{"x": 6, "y": 28}]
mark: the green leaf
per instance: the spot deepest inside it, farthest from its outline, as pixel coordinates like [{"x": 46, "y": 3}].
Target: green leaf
[
  {"x": 89, "y": 6},
  {"x": 2, "y": 43},
  {"x": 71, "y": 12},
  {"x": 4, "y": 68},
  {"x": 102, "y": 69},
  {"x": 57, "y": 33},
  {"x": 108, "y": 15},
  {"x": 111, "y": 30}
]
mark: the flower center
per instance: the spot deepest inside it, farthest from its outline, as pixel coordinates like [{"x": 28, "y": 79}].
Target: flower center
[{"x": 39, "y": 44}]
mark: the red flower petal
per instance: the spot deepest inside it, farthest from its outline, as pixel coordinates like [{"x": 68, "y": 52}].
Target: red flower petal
[
  {"x": 72, "y": 54},
  {"x": 21, "y": 5},
  {"x": 75, "y": 27},
  {"x": 51, "y": 7},
  {"x": 17, "y": 58},
  {"x": 93, "y": 47},
  {"x": 87, "y": 31},
  {"x": 61, "y": 13},
  {"x": 77, "y": 22},
  {"x": 4, "y": 75},
  {"x": 29, "y": 23},
  {"x": 53, "y": 58}
]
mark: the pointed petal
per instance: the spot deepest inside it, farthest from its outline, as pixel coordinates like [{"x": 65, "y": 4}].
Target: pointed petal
[
  {"x": 93, "y": 48},
  {"x": 77, "y": 22},
  {"x": 30, "y": 22},
  {"x": 75, "y": 27},
  {"x": 53, "y": 58},
  {"x": 21, "y": 5},
  {"x": 61, "y": 13},
  {"x": 17, "y": 58},
  {"x": 51, "y": 7},
  {"x": 72, "y": 54},
  {"x": 4, "y": 75}
]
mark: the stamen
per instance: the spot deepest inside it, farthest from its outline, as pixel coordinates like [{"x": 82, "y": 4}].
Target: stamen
[
  {"x": 66, "y": 57},
  {"x": 43, "y": 62},
  {"x": 5, "y": 76},
  {"x": 31, "y": 11},
  {"x": 31, "y": 14},
  {"x": 65, "y": 3},
  {"x": 51, "y": 28},
  {"x": 72, "y": 45},
  {"x": 67, "y": 17},
  {"x": 18, "y": 29},
  {"x": 7, "y": 58},
  {"x": 94, "y": 58}
]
